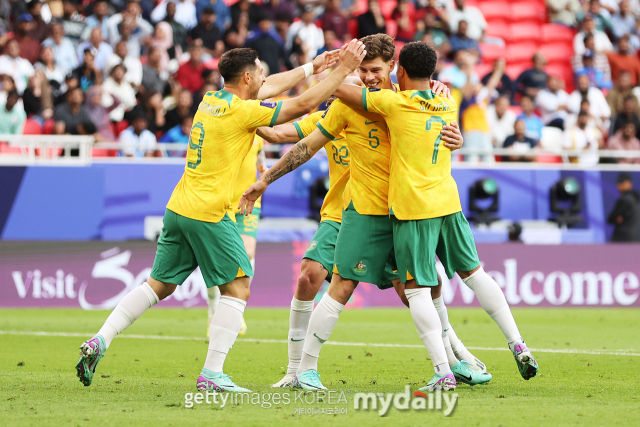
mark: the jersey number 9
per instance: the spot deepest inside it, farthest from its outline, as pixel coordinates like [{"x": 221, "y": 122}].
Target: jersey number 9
[{"x": 198, "y": 146}]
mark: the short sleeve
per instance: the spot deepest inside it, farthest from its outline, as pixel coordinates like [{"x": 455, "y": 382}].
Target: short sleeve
[
  {"x": 260, "y": 142},
  {"x": 334, "y": 120},
  {"x": 255, "y": 113},
  {"x": 384, "y": 102},
  {"x": 307, "y": 125}
]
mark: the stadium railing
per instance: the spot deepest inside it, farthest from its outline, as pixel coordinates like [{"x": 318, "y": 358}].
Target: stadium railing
[{"x": 45, "y": 149}]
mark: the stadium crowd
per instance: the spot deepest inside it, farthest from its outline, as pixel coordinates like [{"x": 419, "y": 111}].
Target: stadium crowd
[{"x": 526, "y": 74}]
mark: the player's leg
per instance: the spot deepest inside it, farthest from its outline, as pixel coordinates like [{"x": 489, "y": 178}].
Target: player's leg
[
  {"x": 323, "y": 319},
  {"x": 173, "y": 263},
  {"x": 457, "y": 251}
]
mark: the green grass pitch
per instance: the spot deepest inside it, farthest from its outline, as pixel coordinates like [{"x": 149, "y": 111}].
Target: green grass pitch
[{"x": 142, "y": 381}]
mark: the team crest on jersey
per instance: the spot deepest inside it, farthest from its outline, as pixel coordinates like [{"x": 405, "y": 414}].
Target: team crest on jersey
[
  {"x": 360, "y": 268},
  {"x": 268, "y": 104},
  {"x": 312, "y": 245}
]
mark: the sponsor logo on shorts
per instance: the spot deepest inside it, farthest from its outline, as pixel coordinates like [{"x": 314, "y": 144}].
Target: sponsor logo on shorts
[
  {"x": 312, "y": 245},
  {"x": 360, "y": 268}
]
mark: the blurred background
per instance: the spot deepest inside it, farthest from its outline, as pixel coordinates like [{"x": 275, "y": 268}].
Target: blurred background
[{"x": 97, "y": 101}]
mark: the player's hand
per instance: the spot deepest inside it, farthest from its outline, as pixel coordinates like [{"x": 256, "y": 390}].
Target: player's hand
[
  {"x": 250, "y": 196},
  {"x": 325, "y": 60},
  {"x": 452, "y": 137},
  {"x": 353, "y": 80},
  {"x": 351, "y": 55},
  {"x": 440, "y": 88}
]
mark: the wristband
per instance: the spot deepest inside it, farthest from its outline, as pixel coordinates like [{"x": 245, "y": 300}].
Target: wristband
[{"x": 308, "y": 69}]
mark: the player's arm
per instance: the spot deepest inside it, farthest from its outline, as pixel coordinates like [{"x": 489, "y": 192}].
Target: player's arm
[
  {"x": 280, "y": 134},
  {"x": 298, "y": 155},
  {"x": 350, "y": 58},
  {"x": 353, "y": 95},
  {"x": 281, "y": 82}
]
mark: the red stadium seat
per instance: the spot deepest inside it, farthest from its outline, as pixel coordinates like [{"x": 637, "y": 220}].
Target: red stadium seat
[
  {"x": 49, "y": 126},
  {"x": 557, "y": 52},
  {"x": 352, "y": 25},
  {"x": 563, "y": 71},
  {"x": 521, "y": 52},
  {"x": 31, "y": 127},
  {"x": 491, "y": 52},
  {"x": 399, "y": 45},
  {"x": 498, "y": 29},
  {"x": 483, "y": 69},
  {"x": 557, "y": 33},
  {"x": 530, "y": 12},
  {"x": 495, "y": 10},
  {"x": 525, "y": 31},
  {"x": 363, "y": 6},
  {"x": 387, "y": 7},
  {"x": 392, "y": 27},
  {"x": 514, "y": 71}
]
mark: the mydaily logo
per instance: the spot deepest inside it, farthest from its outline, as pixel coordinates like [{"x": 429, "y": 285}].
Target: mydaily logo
[{"x": 418, "y": 401}]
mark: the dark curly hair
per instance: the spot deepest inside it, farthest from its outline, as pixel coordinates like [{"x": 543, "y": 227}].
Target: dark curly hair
[{"x": 418, "y": 60}]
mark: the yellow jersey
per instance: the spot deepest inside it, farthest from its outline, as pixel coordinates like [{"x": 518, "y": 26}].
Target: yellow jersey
[
  {"x": 420, "y": 182},
  {"x": 338, "y": 156},
  {"x": 248, "y": 174},
  {"x": 222, "y": 134},
  {"x": 368, "y": 143}
]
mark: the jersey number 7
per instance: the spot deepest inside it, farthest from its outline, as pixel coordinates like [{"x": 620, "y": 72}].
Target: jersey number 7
[
  {"x": 436, "y": 147},
  {"x": 198, "y": 146}
]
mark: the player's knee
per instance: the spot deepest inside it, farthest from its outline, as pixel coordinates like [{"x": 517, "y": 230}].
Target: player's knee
[
  {"x": 309, "y": 283},
  {"x": 162, "y": 290},
  {"x": 399, "y": 287}
]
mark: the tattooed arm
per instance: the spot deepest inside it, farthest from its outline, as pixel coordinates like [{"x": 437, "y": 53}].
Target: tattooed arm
[{"x": 298, "y": 155}]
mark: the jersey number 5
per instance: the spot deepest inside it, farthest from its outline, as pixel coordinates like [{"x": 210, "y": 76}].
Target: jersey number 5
[
  {"x": 372, "y": 136},
  {"x": 198, "y": 146},
  {"x": 436, "y": 147}
]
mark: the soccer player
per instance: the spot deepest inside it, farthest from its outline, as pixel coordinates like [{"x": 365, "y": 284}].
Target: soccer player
[
  {"x": 365, "y": 240},
  {"x": 247, "y": 225},
  {"x": 199, "y": 226}
]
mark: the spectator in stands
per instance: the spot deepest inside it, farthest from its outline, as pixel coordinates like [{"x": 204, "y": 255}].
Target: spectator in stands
[
  {"x": 406, "y": 21},
  {"x": 116, "y": 86},
  {"x": 531, "y": 120},
  {"x": 625, "y": 139},
  {"x": 40, "y": 29},
  {"x": 333, "y": 19},
  {"x": 72, "y": 22},
  {"x": 583, "y": 138},
  {"x": 101, "y": 51},
  {"x": 245, "y": 7},
  {"x": 154, "y": 78},
  {"x": 282, "y": 24},
  {"x": 178, "y": 30},
  {"x": 210, "y": 35},
  {"x": 189, "y": 74},
  {"x": 553, "y": 103},
  {"x": 87, "y": 73},
  {"x": 455, "y": 72},
  {"x": 63, "y": 50},
  {"x": 600, "y": 39},
  {"x": 437, "y": 10},
  {"x": 629, "y": 114},
  {"x": 519, "y": 143},
  {"x": 622, "y": 89},
  {"x": 626, "y": 213},
  {"x": 331, "y": 42},
  {"x": 267, "y": 42},
  {"x": 53, "y": 72},
  {"x": 601, "y": 17},
  {"x": 150, "y": 107},
  {"x": 598, "y": 106},
  {"x": 29, "y": 47},
  {"x": 185, "y": 13},
  {"x": 223, "y": 14},
  {"x": 533, "y": 80},
  {"x": 306, "y": 29},
  {"x": 12, "y": 116},
  {"x": 501, "y": 120},
  {"x": 624, "y": 60},
  {"x": 473, "y": 17},
  {"x": 137, "y": 140},
  {"x": 563, "y": 11},
  {"x": 237, "y": 33},
  {"x": 596, "y": 77},
  {"x": 505, "y": 87},
  {"x": 130, "y": 26},
  {"x": 372, "y": 21},
  {"x": 600, "y": 60},
  {"x": 99, "y": 19},
  {"x": 163, "y": 39},
  {"x": 473, "y": 117},
  {"x": 12, "y": 64},
  {"x": 178, "y": 134},
  {"x": 131, "y": 63},
  {"x": 461, "y": 41},
  {"x": 72, "y": 117},
  {"x": 624, "y": 24},
  {"x": 100, "y": 114},
  {"x": 37, "y": 97},
  {"x": 438, "y": 37},
  {"x": 183, "y": 109}
]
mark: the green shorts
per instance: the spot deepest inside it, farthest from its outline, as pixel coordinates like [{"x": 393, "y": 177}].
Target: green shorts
[
  {"x": 323, "y": 245},
  {"x": 188, "y": 243},
  {"x": 364, "y": 249},
  {"x": 248, "y": 225},
  {"x": 417, "y": 242}
]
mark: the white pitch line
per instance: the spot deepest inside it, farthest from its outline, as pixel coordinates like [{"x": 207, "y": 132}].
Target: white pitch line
[{"x": 348, "y": 344}]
